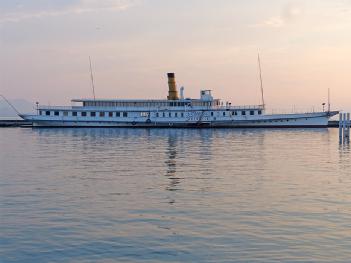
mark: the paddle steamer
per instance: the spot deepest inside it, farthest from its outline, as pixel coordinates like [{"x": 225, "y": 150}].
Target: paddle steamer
[{"x": 175, "y": 111}]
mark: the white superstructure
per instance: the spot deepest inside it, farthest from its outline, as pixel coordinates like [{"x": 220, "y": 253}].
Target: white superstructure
[{"x": 174, "y": 111}]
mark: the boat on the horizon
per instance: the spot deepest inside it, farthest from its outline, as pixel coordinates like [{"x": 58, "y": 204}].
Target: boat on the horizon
[{"x": 175, "y": 111}]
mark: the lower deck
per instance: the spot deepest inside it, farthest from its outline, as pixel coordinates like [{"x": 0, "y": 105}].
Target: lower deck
[{"x": 250, "y": 118}]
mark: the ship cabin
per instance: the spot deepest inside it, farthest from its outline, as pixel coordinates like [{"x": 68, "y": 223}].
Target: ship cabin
[
  {"x": 143, "y": 108},
  {"x": 206, "y": 101}
]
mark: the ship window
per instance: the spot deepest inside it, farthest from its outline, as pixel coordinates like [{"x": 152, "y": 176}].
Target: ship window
[
  {"x": 65, "y": 113},
  {"x": 83, "y": 114},
  {"x": 40, "y": 113},
  {"x": 235, "y": 113},
  {"x": 224, "y": 113},
  {"x": 252, "y": 112},
  {"x": 164, "y": 115},
  {"x": 182, "y": 115},
  {"x": 56, "y": 113},
  {"x": 125, "y": 114},
  {"x": 169, "y": 114},
  {"x": 118, "y": 114},
  {"x": 259, "y": 112},
  {"x": 102, "y": 114},
  {"x": 110, "y": 114},
  {"x": 243, "y": 112},
  {"x": 144, "y": 114},
  {"x": 74, "y": 113},
  {"x": 47, "y": 113},
  {"x": 157, "y": 115},
  {"x": 92, "y": 114},
  {"x": 176, "y": 114},
  {"x": 211, "y": 113}
]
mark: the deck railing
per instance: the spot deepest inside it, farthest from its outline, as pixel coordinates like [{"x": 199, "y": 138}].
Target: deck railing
[
  {"x": 267, "y": 111},
  {"x": 246, "y": 107},
  {"x": 44, "y": 107},
  {"x": 243, "y": 107},
  {"x": 293, "y": 110}
]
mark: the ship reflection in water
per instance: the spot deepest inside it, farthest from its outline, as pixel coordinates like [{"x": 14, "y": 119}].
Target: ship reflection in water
[
  {"x": 171, "y": 163},
  {"x": 180, "y": 195}
]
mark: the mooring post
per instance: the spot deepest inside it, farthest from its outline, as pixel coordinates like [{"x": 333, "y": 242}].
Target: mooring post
[
  {"x": 340, "y": 127},
  {"x": 344, "y": 127},
  {"x": 348, "y": 124}
]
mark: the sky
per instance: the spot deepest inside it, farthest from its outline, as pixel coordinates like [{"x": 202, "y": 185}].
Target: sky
[{"x": 305, "y": 49}]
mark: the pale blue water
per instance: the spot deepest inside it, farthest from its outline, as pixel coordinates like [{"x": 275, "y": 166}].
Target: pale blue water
[{"x": 174, "y": 195}]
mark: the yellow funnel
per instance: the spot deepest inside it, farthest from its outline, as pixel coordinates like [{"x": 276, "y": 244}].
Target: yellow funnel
[{"x": 172, "y": 91}]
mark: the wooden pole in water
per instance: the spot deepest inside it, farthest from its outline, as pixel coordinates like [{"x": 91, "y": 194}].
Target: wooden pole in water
[
  {"x": 348, "y": 128},
  {"x": 344, "y": 127},
  {"x": 340, "y": 127}
]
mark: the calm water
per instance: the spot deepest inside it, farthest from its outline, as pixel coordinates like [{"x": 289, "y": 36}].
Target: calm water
[{"x": 174, "y": 195}]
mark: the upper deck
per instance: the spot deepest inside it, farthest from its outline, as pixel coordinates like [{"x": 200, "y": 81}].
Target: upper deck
[
  {"x": 149, "y": 106},
  {"x": 173, "y": 102},
  {"x": 125, "y": 103},
  {"x": 206, "y": 100}
]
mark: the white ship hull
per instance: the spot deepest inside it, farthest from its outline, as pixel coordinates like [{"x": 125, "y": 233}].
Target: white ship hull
[{"x": 311, "y": 120}]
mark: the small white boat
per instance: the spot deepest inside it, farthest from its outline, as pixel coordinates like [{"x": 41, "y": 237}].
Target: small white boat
[{"x": 175, "y": 111}]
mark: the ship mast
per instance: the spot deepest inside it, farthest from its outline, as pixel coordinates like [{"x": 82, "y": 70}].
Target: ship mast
[
  {"x": 259, "y": 67},
  {"x": 328, "y": 99},
  {"x": 92, "y": 78}
]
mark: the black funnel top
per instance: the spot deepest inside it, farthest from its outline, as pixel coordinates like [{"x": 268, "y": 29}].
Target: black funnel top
[{"x": 170, "y": 75}]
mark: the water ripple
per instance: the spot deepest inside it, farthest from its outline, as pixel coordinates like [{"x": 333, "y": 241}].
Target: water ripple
[{"x": 174, "y": 195}]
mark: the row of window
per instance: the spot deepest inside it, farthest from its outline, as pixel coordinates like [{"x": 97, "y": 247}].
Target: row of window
[
  {"x": 142, "y": 104},
  {"x": 142, "y": 114},
  {"x": 165, "y": 115},
  {"x": 236, "y": 113},
  {"x": 84, "y": 113},
  {"x": 270, "y": 121}
]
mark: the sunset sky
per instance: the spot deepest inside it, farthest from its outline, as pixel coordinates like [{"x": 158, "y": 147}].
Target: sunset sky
[{"x": 305, "y": 48}]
